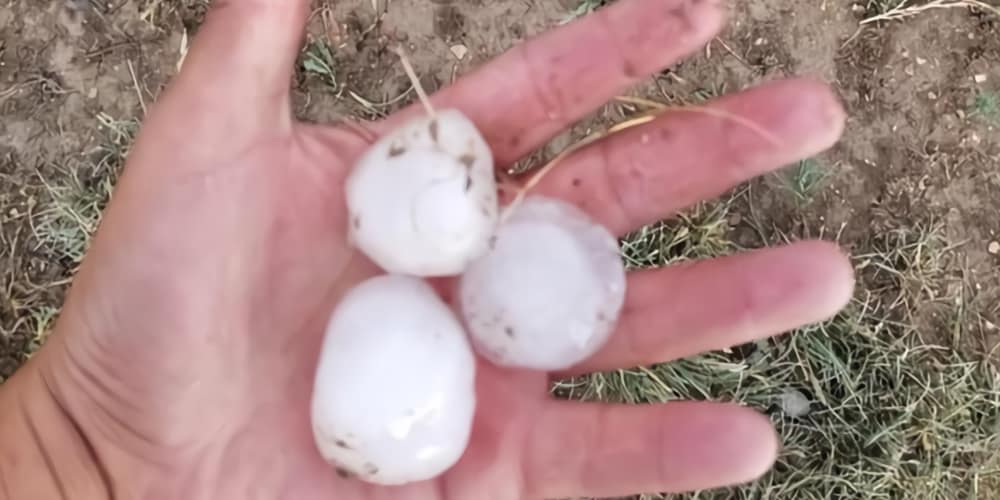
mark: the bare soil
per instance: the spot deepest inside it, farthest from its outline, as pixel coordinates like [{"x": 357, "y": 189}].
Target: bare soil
[{"x": 917, "y": 156}]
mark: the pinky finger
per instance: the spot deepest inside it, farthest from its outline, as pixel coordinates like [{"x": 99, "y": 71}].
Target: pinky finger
[{"x": 598, "y": 450}]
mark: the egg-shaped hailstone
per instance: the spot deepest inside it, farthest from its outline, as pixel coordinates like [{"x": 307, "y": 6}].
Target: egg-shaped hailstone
[
  {"x": 394, "y": 392},
  {"x": 549, "y": 292},
  {"x": 422, "y": 200}
]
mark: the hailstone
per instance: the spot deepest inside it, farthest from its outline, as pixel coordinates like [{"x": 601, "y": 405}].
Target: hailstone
[
  {"x": 394, "y": 392},
  {"x": 422, "y": 200},
  {"x": 548, "y": 293}
]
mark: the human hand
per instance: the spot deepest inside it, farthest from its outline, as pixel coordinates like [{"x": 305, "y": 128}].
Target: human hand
[{"x": 184, "y": 356}]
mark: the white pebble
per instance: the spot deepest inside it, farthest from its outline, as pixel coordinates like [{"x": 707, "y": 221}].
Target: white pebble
[
  {"x": 794, "y": 403},
  {"x": 394, "y": 393},
  {"x": 423, "y": 199},
  {"x": 549, "y": 293}
]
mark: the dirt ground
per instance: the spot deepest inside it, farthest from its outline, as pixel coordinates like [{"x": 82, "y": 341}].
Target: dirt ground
[{"x": 919, "y": 166}]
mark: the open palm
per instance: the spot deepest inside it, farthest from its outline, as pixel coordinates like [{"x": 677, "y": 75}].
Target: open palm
[{"x": 186, "y": 350}]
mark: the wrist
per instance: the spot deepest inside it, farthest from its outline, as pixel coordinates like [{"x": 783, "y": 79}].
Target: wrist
[{"x": 44, "y": 454}]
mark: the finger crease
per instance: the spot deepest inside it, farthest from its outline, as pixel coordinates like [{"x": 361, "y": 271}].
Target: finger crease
[
  {"x": 43, "y": 449},
  {"x": 613, "y": 183},
  {"x": 88, "y": 444},
  {"x": 544, "y": 89}
]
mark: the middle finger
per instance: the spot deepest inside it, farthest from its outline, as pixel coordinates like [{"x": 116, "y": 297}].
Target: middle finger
[
  {"x": 646, "y": 173},
  {"x": 686, "y": 309}
]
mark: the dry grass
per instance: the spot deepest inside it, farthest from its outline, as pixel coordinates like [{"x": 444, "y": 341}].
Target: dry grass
[
  {"x": 890, "y": 414},
  {"x": 76, "y": 196},
  {"x": 900, "y": 10},
  {"x": 45, "y": 238},
  {"x": 583, "y": 8}
]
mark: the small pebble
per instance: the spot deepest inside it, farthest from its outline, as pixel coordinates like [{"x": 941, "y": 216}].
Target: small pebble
[
  {"x": 459, "y": 51},
  {"x": 794, "y": 403}
]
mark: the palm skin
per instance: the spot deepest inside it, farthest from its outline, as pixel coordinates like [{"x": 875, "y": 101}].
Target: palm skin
[{"x": 186, "y": 349}]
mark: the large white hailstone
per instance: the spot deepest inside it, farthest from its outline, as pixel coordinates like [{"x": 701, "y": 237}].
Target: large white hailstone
[
  {"x": 423, "y": 199},
  {"x": 394, "y": 393},
  {"x": 549, "y": 293}
]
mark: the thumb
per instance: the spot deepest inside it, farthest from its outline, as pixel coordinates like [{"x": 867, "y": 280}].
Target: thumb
[{"x": 243, "y": 56}]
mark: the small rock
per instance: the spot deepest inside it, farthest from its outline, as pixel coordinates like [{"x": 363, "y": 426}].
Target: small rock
[
  {"x": 459, "y": 51},
  {"x": 994, "y": 248},
  {"x": 794, "y": 403},
  {"x": 931, "y": 95},
  {"x": 921, "y": 61}
]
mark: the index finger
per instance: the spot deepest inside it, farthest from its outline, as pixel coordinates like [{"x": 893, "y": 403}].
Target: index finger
[{"x": 534, "y": 91}]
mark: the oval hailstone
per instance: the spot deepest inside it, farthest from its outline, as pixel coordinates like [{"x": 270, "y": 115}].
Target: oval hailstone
[
  {"x": 422, "y": 200},
  {"x": 548, "y": 294},
  {"x": 394, "y": 393}
]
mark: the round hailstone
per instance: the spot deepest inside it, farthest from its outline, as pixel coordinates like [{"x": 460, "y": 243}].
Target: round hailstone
[
  {"x": 548, "y": 294},
  {"x": 423, "y": 199},
  {"x": 394, "y": 393}
]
